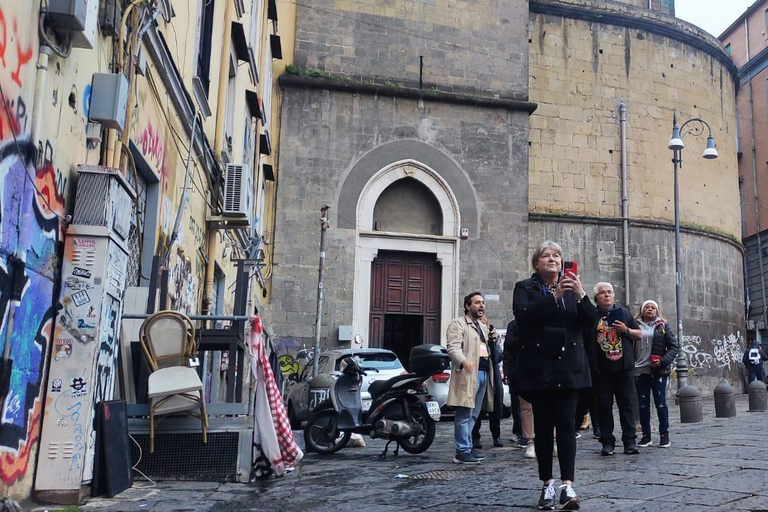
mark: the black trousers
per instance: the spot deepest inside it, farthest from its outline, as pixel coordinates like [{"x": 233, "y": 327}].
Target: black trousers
[
  {"x": 554, "y": 409},
  {"x": 620, "y": 385},
  {"x": 494, "y": 421},
  {"x": 588, "y": 403}
]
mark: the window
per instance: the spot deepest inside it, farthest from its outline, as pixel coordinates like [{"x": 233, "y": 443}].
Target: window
[
  {"x": 266, "y": 86},
  {"x": 231, "y": 104},
  {"x": 728, "y": 49},
  {"x": 204, "y": 32}
]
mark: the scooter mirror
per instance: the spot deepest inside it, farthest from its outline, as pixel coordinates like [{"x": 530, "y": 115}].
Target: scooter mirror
[{"x": 358, "y": 340}]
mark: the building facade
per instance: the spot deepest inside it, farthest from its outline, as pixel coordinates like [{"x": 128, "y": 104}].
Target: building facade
[
  {"x": 746, "y": 42},
  {"x": 432, "y": 197},
  {"x": 187, "y": 101}
]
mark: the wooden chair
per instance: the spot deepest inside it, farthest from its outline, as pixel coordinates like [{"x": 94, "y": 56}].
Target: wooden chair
[{"x": 168, "y": 341}]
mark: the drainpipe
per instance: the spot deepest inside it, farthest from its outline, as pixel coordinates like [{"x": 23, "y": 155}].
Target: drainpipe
[
  {"x": 746, "y": 37},
  {"x": 218, "y": 145},
  {"x": 624, "y": 205},
  {"x": 753, "y": 151}
]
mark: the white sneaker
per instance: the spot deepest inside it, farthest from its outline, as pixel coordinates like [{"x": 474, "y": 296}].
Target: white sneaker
[
  {"x": 568, "y": 498},
  {"x": 530, "y": 451}
]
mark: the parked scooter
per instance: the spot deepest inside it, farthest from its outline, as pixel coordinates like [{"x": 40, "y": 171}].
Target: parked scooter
[{"x": 401, "y": 410}]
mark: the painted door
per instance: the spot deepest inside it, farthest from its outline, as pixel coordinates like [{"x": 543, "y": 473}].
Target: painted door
[{"x": 405, "y": 291}]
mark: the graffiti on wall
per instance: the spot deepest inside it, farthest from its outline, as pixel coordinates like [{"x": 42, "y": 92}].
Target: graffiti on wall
[
  {"x": 726, "y": 352},
  {"x": 31, "y": 193},
  {"x": 184, "y": 283}
]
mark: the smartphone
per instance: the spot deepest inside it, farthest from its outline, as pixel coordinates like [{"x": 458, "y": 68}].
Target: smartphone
[
  {"x": 570, "y": 267},
  {"x": 613, "y": 315}
]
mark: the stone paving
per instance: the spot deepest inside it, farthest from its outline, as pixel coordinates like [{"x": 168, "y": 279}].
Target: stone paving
[{"x": 716, "y": 465}]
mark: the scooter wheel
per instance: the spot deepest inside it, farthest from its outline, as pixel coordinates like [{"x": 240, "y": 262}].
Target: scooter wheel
[
  {"x": 321, "y": 434},
  {"x": 420, "y": 442}
]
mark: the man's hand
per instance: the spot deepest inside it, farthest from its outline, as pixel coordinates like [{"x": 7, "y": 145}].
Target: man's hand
[
  {"x": 620, "y": 326},
  {"x": 467, "y": 366}
]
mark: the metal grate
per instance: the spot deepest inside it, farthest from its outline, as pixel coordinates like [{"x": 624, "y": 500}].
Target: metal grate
[
  {"x": 91, "y": 199},
  {"x": 440, "y": 474},
  {"x": 183, "y": 456}
]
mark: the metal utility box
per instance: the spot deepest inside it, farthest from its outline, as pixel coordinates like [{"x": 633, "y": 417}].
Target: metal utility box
[
  {"x": 83, "y": 365},
  {"x": 109, "y": 97},
  {"x": 67, "y": 14}
]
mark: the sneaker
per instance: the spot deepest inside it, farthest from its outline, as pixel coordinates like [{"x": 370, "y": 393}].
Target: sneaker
[
  {"x": 514, "y": 437},
  {"x": 607, "y": 450},
  {"x": 664, "y": 442},
  {"x": 547, "y": 500},
  {"x": 596, "y": 432},
  {"x": 568, "y": 498},
  {"x": 585, "y": 422},
  {"x": 477, "y": 455},
  {"x": 497, "y": 442},
  {"x": 476, "y": 444},
  {"x": 521, "y": 442},
  {"x": 631, "y": 449},
  {"x": 465, "y": 458},
  {"x": 578, "y": 435},
  {"x": 530, "y": 452},
  {"x": 645, "y": 441}
]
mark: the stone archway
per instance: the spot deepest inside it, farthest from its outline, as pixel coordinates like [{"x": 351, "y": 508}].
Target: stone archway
[{"x": 369, "y": 242}]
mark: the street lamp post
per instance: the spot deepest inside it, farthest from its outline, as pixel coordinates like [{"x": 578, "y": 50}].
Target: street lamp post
[{"x": 695, "y": 127}]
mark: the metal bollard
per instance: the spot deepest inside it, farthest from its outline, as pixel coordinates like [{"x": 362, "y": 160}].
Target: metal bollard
[
  {"x": 689, "y": 399},
  {"x": 758, "y": 396},
  {"x": 725, "y": 401}
]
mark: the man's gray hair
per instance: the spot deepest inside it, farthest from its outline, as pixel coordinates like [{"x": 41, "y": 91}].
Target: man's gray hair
[{"x": 601, "y": 283}]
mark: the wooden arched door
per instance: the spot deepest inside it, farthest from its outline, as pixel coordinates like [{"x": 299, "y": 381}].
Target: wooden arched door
[{"x": 405, "y": 301}]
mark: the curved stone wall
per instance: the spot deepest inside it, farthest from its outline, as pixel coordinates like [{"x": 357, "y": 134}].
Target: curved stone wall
[{"x": 587, "y": 58}]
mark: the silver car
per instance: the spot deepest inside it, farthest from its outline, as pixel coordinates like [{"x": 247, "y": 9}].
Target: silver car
[
  {"x": 438, "y": 386},
  {"x": 303, "y": 394}
]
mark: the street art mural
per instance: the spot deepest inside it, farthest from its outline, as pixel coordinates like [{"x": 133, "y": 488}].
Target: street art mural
[{"x": 31, "y": 206}]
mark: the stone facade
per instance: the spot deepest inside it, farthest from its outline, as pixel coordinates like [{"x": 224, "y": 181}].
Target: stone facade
[{"x": 583, "y": 67}]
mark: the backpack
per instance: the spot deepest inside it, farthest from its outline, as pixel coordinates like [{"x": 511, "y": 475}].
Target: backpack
[{"x": 754, "y": 356}]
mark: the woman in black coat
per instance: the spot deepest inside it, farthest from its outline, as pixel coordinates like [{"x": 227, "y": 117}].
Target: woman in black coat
[{"x": 550, "y": 309}]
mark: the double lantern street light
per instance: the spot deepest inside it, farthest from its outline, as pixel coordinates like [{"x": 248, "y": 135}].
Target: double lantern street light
[{"x": 696, "y": 129}]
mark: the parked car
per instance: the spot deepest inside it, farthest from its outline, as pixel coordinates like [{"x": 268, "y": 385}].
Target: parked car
[
  {"x": 304, "y": 393},
  {"x": 438, "y": 386}
]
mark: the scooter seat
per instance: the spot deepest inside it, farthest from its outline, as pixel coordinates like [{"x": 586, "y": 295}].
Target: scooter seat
[{"x": 380, "y": 387}]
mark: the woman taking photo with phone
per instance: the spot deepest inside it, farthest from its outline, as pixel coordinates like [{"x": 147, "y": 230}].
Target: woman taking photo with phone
[
  {"x": 551, "y": 308},
  {"x": 654, "y": 354}
]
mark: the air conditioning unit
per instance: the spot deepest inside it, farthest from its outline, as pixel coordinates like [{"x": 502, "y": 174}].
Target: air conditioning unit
[
  {"x": 238, "y": 191},
  {"x": 750, "y": 325}
]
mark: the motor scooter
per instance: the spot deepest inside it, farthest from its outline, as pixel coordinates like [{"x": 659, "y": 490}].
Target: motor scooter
[{"x": 401, "y": 410}]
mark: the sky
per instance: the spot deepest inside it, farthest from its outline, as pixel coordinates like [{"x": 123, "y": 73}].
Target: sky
[{"x": 714, "y": 16}]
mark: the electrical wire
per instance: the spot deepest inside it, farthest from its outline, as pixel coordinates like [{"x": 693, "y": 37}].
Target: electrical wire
[
  {"x": 53, "y": 46},
  {"x": 23, "y": 159}
]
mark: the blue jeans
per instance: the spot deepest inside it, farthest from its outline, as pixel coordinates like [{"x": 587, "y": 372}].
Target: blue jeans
[
  {"x": 465, "y": 418},
  {"x": 647, "y": 384},
  {"x": 756, "y": 373}
]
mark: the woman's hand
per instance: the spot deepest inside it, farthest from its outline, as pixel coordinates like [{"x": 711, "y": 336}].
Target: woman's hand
[{"x": 569, "y": 282}]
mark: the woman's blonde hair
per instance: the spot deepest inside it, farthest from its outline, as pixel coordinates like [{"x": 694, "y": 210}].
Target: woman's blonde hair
[{"x": 547, "y": 244}]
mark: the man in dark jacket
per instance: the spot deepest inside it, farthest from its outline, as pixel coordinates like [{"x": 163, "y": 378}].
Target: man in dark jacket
[
  {"x": 611, "y": 354},
  {"x": 509, "y": 361},
  {"x": 753, "y": 359}
]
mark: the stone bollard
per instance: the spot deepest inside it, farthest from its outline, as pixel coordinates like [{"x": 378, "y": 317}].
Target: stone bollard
[
  {"x": 725, "y": 401},
  {"x": 689, "y": 400},
  {"x": 758, "y": 396}
]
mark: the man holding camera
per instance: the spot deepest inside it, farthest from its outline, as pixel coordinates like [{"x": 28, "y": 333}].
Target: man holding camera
[{"x": 611, "y": 355}]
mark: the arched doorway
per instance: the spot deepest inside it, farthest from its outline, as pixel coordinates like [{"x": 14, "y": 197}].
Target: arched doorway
[{"x": 406, "y": 272}]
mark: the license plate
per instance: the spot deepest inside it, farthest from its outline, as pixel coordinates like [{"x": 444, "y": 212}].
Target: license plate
[
  {"x": 433, "y": 409},
  {"x": 367, "y": 404}
]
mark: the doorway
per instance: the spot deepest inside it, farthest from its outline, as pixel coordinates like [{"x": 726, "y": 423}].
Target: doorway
[{"x": 405, "y": 301}]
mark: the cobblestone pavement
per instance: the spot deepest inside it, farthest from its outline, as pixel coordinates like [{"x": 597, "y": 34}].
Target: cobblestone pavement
[{"x": 716, "y": 465}]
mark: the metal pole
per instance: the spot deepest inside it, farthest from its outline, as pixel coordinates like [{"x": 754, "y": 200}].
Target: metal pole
[
  {"x": 682, "y": 364},
  {"x": 624, "y": 201},
  {"x": 323, "y": 228}
]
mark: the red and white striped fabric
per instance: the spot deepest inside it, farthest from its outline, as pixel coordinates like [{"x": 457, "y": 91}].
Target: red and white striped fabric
[{"x": 273, "y": 439}]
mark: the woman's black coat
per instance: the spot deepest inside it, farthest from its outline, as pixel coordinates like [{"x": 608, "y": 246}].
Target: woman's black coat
[{"x": 552, "y": 354}]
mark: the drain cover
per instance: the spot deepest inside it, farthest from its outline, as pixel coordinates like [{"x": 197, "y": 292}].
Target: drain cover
[{"x": 443, "y": 474}]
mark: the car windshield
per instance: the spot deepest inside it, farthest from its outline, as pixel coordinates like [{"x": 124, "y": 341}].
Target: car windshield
[{"x": 378, "y": 361}]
